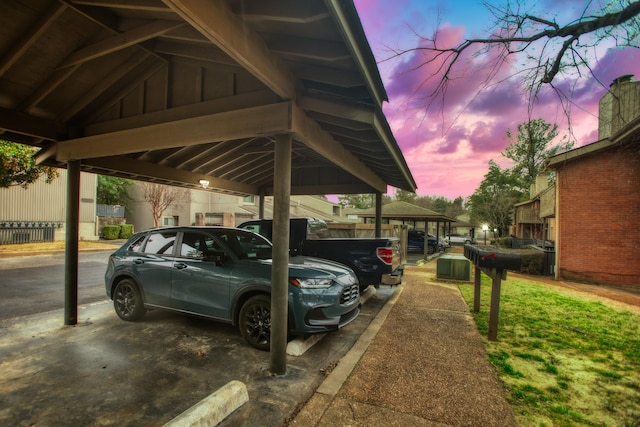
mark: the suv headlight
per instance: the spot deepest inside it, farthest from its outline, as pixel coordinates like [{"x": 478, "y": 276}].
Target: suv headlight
[{"x": 311, "y": 283}]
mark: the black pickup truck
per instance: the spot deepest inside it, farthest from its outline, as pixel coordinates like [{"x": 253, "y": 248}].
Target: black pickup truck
[{"x": 374, "y": 260}]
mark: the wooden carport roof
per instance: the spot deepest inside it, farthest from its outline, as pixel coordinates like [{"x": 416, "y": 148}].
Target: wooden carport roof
[
  {"x": 179, "y": 91},
  {"x": 176, "y": 91}
]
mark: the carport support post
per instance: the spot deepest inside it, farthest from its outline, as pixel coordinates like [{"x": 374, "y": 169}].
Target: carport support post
[
  {"x": 378, "y": 230},
  {"x": 71, "y": 243},
  {"x": 280, "y": 270},
  {"x": 494, "y": 311}
]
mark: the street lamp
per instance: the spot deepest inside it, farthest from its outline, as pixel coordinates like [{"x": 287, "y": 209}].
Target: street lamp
[{"x": 485, "y": 227}]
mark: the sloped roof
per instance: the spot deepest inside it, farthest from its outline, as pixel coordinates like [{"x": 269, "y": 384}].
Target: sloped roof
[
  {"x": 176, "y": 91},
  {"x": 629, "y": 135}
]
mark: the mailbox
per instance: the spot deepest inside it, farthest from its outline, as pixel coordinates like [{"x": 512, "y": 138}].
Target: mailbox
[{"x": 491, "y": 257}]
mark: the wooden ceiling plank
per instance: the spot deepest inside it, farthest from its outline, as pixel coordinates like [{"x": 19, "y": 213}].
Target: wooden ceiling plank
[
  {"x": 120, "y": 72},
  {"x": 145, "y": 5},
  {"x": 25, "y": 124},
  {"x": 119, "y": 42},
  {"x": 245, "y": 165},
  {"x": 324, "y": 51},
  {"x": 290, "y": 11},
  {"x": 323, "y": 143},
  {"x": 235, "y": 124},
  {"x": 55, "y": 79},
  {"x": 200, "y": 52},
  {"x": 143, "y": 72},
  {"x": 226, "y": 148},
  {"x": 357, "y": 113},
  {"x": 236, "y": 102},
  {"x": 216, "y": 21},
  {"x": 152, "y": 170},
  {"x": 27, "y": 40},
  {"x": 328, "y": 75}
]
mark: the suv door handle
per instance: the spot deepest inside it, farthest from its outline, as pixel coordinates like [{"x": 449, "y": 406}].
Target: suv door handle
[
  {"x": 180, "y": 265},
  {"x": 139, "y": 261}
]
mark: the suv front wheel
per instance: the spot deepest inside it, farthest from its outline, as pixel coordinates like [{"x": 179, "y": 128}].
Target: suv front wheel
[{"x": 255, "y": 321}]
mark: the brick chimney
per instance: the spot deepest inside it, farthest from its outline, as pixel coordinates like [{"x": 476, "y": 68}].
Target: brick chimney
[{"x": 619, "y": 105}]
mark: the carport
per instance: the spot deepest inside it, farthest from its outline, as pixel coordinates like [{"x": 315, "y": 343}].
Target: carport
[
  {"x": 257, "y": 97},
  {"x": 407, "y": 213}
]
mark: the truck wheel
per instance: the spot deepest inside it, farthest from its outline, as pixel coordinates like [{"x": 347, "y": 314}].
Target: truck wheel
[
  {"x": 127, "y": 301},
  {"x": 255, "y": 322},
  {"x": 431, "y": 249}
]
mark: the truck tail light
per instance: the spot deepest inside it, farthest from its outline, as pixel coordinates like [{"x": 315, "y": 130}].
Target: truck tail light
[{"x": 385, "y": 254}]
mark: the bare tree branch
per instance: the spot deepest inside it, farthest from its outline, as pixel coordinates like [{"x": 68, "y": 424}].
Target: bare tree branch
[{"x": 517, "y": 32}]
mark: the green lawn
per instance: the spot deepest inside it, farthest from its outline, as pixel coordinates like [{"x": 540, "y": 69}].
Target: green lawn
[
  {"x": 57, "y": 246},
  {"x": 564, "y": 360}
]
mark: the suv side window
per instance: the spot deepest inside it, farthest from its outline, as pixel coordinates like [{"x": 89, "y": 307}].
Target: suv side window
[
  {"x": 136, "y": 246},
  {"x": 198, "y": 246},
  {"x": 161, "y": 243}
]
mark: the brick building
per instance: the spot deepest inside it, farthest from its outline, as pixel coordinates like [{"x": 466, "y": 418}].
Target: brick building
[{"x": 597, "y": 210}]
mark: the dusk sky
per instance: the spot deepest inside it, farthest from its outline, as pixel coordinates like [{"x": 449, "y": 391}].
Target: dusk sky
[{"x": 448, "y": 144}]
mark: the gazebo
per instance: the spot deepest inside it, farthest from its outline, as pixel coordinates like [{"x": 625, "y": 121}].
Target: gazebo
[{"x": 413, "y": 215}]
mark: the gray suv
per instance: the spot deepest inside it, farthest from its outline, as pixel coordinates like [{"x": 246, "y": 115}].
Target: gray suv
[{"x": 225, "y": 274}]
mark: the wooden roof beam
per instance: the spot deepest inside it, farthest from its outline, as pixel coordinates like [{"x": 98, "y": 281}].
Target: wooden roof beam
[
  {"x": 27, "y": 40},
  {"x": 236, "y": 124},
  {"x": 152, "y": 170},
  {"x": 323, "y": 143},
  {"x": 216, "y": 21},
  {"x": 119, "y": 42}
]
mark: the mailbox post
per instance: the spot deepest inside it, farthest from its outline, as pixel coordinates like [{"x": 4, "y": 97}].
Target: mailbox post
[{"x": 494, "y": 263}]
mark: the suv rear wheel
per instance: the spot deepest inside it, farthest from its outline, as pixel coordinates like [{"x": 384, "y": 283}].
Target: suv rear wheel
[{"x": 127, "y": 301}]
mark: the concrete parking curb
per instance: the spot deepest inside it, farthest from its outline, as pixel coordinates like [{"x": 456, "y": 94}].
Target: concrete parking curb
[{"x": 213, "y": 409}]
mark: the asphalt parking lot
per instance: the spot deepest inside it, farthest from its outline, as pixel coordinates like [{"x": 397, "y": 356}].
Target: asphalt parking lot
[{"x": 105, "y": 372}]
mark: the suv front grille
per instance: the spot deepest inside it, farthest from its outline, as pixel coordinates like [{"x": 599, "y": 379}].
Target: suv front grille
[{"x": 349, "y": 294}]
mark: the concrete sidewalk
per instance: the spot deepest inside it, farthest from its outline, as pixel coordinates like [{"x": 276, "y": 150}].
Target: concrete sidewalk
[{"x": 421, "y": 363}]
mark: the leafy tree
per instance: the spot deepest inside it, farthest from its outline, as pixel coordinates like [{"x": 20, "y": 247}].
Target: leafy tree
[
  {"x": 550, "y": 47},
  {"x": 456, "y": 208},
  {"x": 493, "y": 202},
  {"x": 160, "y": 197},
  {"x": 114, "y": 191},
  {"x": 405, "y": 196},
  {"x": 531, "y": 149},
  {"x": 19, "y": 166},
  {"x": 358, "y": 201}
]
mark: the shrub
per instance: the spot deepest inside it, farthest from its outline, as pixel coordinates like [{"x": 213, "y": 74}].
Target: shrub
[
  {"x": 126, "y": 231},
  {"x": 110, "y": 232},
  {"x": 531, "y": 261}
]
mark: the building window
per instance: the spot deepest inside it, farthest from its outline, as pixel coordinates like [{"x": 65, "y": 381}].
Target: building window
[
  {"x": 248, "y": 200},
  {"x": 170, "y": 221}
]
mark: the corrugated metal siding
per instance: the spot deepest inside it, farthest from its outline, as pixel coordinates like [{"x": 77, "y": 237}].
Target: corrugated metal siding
[{"x": 47, "y": 202}]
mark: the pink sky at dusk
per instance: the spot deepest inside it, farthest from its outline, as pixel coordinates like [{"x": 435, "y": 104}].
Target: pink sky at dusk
[{"x": 448, "y": 141}]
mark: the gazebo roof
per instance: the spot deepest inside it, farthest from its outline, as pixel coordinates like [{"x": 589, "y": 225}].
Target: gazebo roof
[{"x": 407, "y": 212}]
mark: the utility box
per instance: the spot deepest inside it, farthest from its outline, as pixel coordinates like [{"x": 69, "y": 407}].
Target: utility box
[{"x": 453, "y": 267}]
